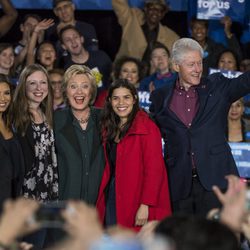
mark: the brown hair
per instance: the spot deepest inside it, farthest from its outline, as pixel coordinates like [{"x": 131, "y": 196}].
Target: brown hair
[
  {"x": 21, "y": 116},
  {"x": 4, "y": 46}
]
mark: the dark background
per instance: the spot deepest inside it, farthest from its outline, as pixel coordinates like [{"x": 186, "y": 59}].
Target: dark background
[{"x": 107, "y": 28}]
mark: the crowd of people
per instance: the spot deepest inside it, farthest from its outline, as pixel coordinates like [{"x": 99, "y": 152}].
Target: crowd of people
[{"x": 72, "y": 132}]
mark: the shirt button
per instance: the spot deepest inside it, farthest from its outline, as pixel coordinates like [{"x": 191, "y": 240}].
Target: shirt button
[
  {"x": 188, "y": 110},
  {"x": 192, "y": 153},
  {"x": 189, "y": 124},
  {"x": 87, "y": 173},
  {"x": 187, "y": 96}
]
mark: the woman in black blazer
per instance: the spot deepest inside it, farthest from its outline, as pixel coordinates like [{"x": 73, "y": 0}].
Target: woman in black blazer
[
  {"x": 10, "y": 151},
  {"x": 32, "y": 115}
]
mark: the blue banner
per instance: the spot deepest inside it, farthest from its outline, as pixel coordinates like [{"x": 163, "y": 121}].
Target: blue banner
[
  {"x": 226, "y": 73},
  {"x": 216, "y": 9},
  {"x": 175, "y": 5},
  {"x": 241, "y": 154},
  {"x": 144, "y": 99}
]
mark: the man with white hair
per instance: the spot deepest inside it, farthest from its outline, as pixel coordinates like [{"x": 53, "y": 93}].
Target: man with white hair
[{"x": 192, "y": 115}]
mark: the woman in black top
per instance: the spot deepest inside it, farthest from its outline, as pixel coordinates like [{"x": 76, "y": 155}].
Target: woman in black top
[
  {"x": 32, "y": 113},
  {"x": 236, "y": 131},
  {"x": 10, "y": 151}
]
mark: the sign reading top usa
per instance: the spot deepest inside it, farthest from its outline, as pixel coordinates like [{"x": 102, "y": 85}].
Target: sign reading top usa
[{"x": 216, "y": 9}]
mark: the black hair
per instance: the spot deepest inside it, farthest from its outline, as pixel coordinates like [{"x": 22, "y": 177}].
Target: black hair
[
  {"x": 110, "y": 120},
  {"x": 195, "y": 20},
  {"x": 6, "y": 113},
  {"x": 35, "y": 16},
  {"x": 234, "y": 55},
  {"x": 122, "y": 60},
  {"x": 195, "y": 233}
]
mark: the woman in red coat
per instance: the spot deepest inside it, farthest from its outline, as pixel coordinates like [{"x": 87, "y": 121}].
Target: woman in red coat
[{"x": 134, "y": 187}]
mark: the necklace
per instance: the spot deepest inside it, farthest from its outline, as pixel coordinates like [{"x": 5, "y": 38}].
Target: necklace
[{"x": 82, "y": 120}]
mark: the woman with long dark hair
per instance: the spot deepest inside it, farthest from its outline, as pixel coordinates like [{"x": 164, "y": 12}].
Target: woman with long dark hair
[
  {"x": 134, "y": 186},
  {"x": 11, "y": 169}
]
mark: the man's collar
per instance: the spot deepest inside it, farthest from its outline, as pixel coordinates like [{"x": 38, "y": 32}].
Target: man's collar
[{"x": 178, "y": 86}]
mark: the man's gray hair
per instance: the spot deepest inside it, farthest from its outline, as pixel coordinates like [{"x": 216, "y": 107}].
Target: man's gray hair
[{"x": 182, "y": 46}]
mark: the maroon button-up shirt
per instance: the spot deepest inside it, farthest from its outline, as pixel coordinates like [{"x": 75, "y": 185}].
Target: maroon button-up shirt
[{"x": 184, "y": 103}]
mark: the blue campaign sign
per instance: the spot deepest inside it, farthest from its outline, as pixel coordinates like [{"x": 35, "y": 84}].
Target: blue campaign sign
[
  {"x": 175, "y": 5},
  {"x": 226, "y": 73},
  {"x": 144, "y": 99},
  {"x": 216, "y": 9},
  {"x": 241, "y": 154}
]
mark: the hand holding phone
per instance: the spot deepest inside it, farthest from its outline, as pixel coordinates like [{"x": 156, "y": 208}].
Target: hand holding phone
[{"x": 49, "y": 214}]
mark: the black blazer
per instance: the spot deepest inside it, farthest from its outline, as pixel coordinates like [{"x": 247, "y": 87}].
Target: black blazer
[
  {"x": 11, "y": 175},
  {"x": 28, "y": 148},
  {"x": 72, "y": 176},
  {"x": 205, "y": 139}
]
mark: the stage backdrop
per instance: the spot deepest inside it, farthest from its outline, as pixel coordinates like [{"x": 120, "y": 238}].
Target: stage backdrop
[{"x": 176, "y": 5}]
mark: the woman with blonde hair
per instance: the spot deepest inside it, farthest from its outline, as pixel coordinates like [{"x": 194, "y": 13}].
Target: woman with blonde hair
[{"x": 78, "y": 138}]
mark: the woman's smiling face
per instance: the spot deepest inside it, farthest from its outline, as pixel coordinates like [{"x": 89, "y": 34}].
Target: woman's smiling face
[{"x": 79, "y": 92}]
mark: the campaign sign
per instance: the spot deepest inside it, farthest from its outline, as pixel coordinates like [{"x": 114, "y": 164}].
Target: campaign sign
[
  {"x": 216, "y": 9},
  {"x": 144, "y": 99},
  {"x": 226, "y": 73},
  {"x": 241, "y": 154}
]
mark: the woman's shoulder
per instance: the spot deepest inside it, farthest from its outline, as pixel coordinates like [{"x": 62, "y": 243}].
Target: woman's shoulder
[
  {"x": 59, "y": 113},
  {"x": 96, "y": 113},
  {"x": 60, "y": 117},
  {"x": 96, "y": 110},
  {"x": 143, "y": 115},
  {"x": 144, "y": 120}
]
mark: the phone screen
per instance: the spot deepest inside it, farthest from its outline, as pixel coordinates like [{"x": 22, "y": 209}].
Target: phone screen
[{"x": 49, "y": 214}]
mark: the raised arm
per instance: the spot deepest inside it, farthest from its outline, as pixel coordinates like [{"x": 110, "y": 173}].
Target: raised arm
[
  {"x": 9, "y": 17},
  {"x": 123, "y": 11},
  {"x": 232, "y": 41},
  {"x": 40, "y": 28}
]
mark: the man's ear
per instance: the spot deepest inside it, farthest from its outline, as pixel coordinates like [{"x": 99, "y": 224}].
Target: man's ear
[
  {"x": 82, "y": 39},
  {"x": 63, "y": 46},
  {"x": 55, "y": 12},
  {"x": 21, "y": 27},
  {"x": 176, "y": 67},
  {"x": 164, "y": 12}
]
